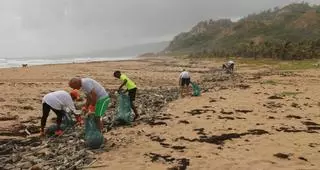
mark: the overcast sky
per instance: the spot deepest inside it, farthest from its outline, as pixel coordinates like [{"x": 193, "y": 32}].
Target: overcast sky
[{"x": 51, "y": 27}]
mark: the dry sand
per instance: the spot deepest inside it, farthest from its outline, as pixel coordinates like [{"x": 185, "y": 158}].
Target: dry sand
[{"x": 235, "y": 127}]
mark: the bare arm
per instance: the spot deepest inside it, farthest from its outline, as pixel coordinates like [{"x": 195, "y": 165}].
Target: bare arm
[
  {"x": 124, "y": 83},
  {"x": 180, "y": 79},
  {"x": 93, "y": 98},
  {"x": 88, "y": 100}
]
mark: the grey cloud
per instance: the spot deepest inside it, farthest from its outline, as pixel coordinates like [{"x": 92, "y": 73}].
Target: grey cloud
[{"x": 46, "y": 27}]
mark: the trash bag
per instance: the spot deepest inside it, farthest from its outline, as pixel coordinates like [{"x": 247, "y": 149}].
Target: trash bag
[
  {"x": 93, "y": 137},
  {"x": 196, "y": 89},
  {"x": 52, "y": 129},
  {"x": 67, "y": 122},
  {"x": 123, "y": 109}
]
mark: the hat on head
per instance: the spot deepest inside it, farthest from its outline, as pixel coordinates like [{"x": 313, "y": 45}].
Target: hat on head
[{"x": 75, "y": 94}]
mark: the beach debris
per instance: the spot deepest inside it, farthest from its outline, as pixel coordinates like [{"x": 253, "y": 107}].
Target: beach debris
[
  {"x": 9, "y": 117},
  {"x": 158, "y": 157},
  {"x": 200, "y": 131},
  {"x": 199, "y": 111},
  {"x": 178, "y": 147},
  {"x": 275, "y": 97},
  {"x": 308, "y": 123},
  {"x": 168, "y": 159},
  {"x": 21, "y": 130},
  {"x": 245, "y": 111},
  {"x": 223, "y": 98},
  {"x": 226, "y": 117},
  {"x": 271, "y": 117},
  {"x": 183, "y": 122},
  {"x": 150, "y": 102},
  {"x": 195, "y": 112},
  {"x": 226, "y": 112},
  {"x": 154, "y": 122},
  {"x": 293, "y": 117},
  {"x": 302, "y": 158},
  {"x": 182, "y": 164},
  {"x": 156, "y": 138},
  {"x": 296, "y": 105},
  {"x": 273, "y": 104},
  {"x": 243, "y": 86},
  {"x": 282, "y": 156},
  {"x": 64, "y": 152},
  {"x": 311, "y": 125},
  {"x": 294, "y": 130},
  {"x": 27, "y": 108},
  {"x": 240, "y": 118},
  {"x": 219, "y": 140},
  {"x": 69, "y": 151},
  {"x": 212, "y": 100},
  {"x": 312, "y": 145}
]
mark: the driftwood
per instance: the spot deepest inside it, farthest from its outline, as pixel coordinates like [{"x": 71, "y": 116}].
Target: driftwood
[
  {"x": 9, "y": 117},
  {"x": 69, "y": 151},
  {"x": 89, "y": 167},
  {"x": 64, "y": 152},
  {"x": 20, "y": 130}
]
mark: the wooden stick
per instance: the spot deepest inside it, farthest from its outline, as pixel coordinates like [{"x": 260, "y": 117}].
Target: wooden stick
[{"x": 97, "y": 166}]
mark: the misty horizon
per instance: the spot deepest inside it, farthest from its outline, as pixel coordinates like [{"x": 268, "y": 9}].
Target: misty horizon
[{"x": 64, "y": 27}]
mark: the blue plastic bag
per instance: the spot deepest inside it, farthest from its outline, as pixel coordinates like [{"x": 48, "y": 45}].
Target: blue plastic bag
[
  {"x": 67, "y": 122},
  {"x": 123, "y": 110},
  {"x": 196, "y": 89},
  {"x": 93, "y": 137}
]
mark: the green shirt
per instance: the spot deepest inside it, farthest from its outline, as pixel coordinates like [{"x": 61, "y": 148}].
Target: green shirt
[{"x": 130, "y": 84}]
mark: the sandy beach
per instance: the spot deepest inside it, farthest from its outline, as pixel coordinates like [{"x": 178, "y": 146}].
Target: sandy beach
[{"x": 260, "y": 118}]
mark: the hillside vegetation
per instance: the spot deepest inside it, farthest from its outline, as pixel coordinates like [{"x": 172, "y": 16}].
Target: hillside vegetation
[{"x": 291, "y": 32}]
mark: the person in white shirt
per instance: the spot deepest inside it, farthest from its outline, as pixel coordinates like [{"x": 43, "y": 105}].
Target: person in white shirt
[
  {"x": 184, "y": 81},
  {"x": 229, "y": 66},
  {"x": 97, "y": 97},
  {"x": 59, "y": 102}
]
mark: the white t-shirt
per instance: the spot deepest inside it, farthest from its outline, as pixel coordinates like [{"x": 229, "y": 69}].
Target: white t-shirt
[
  {"x": 59, "y": 100},
  {"x": 230, "y": 62},
  {"x": 88, "y": 84},
  {"x": 184, "y": 75}
]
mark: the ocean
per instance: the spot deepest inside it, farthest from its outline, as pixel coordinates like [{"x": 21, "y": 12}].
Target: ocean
[{"x": 17, "y": 62}]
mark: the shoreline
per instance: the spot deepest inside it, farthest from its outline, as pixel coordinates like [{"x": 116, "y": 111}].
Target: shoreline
[{"x": 75, "y": 62}]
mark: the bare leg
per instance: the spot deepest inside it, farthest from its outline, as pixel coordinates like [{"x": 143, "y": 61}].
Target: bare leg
[
  {"x": 133, "y": 107},
  {"x": 181, "y": 91}
]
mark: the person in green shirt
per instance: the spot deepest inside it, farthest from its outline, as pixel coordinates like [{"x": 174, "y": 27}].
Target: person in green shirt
[{"x": 131, "y": 88}]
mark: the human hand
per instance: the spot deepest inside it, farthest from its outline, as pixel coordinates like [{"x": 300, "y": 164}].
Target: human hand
[
  {"x": 84, "y": 109},
  {"x": 79, "y": 120},
  {"x": 91, "y": 108}
]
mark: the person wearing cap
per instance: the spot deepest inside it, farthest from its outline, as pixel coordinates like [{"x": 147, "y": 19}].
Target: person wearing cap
[
  {"x": 59, "y": 102},
  {"x": 184, "y": 81},
  {"x": 97, "y": 99},
  {"x": 131, "y": 89}
]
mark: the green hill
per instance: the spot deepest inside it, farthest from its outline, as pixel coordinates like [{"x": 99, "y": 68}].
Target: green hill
[{"x": 291, "y": 32}]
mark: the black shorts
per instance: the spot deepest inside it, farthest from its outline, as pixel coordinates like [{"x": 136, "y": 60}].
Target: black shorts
[
  {"x": 185, "y": 81},
  {"x": 132, "y": 94}
]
